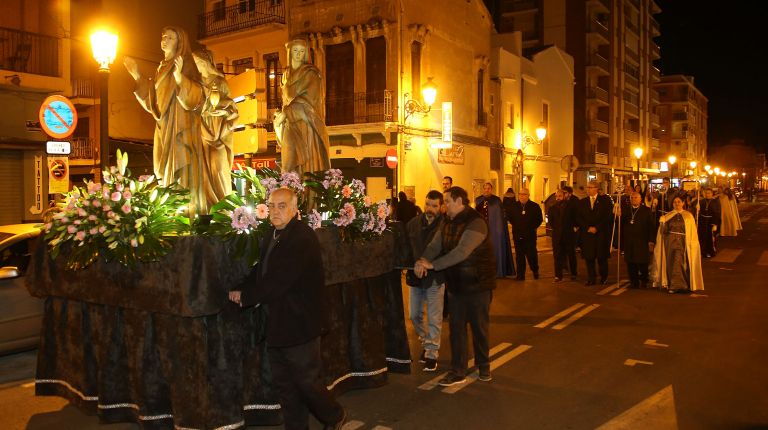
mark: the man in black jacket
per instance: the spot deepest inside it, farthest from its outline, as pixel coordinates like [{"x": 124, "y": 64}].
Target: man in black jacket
[
  {"x": 430, "y": 289},
  {"x": 462, "y": 248},
  {"x": 526, "y": 218},
  {"x": 638, "y": 229},
  {"x": 595, "y": 217},
  {"x": 569, "y": 240},
  {"x": 290, "y": 281}
]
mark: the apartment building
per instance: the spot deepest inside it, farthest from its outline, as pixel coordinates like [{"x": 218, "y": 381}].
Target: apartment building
[
  {"x": 682, "y": 112},
  {"x": 612, "y": 44}
]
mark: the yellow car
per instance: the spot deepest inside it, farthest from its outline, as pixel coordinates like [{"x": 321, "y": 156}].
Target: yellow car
[{"x": 21, "y": 315}]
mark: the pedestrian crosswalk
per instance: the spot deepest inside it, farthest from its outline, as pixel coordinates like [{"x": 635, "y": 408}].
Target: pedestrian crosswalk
[{"x": 571, "y": 319}]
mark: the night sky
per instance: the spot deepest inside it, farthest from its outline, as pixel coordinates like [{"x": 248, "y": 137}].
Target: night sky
[{"x": 723, "y": 45}]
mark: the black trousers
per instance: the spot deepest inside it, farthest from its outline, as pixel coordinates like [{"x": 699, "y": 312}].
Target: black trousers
[
  {"x": 525, "y": 248},
  {"x": 602, "y": 263},
  {"x": 561, "y": 252},
  {"x": 472, "y": 309},
  {"x": 707, "y": 239},
  {"x": 638, "y": 274},
  {"x": 297, "y": 377}
]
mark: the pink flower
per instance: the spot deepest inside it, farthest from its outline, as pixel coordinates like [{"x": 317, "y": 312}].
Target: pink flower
[
  {"x": 119, "y": 187},
  {"x": 110, "y": 214},
  {"x": 367, "y": 201},
  {"x": 93, "y": 231},
  {"x": 93, "y": 187},
  {"x": 96, "y": 203},
  {"x": 106, "y": 208},
  {"x": 48, "y": 226},
  {"x": 105, "y": 193},
  {"x": 102, "y": 229},
  {"x": 134, "y": 243},
  {"x": 126, "y": 208},
  {"x": 127, "y": 194},
  {"x": 346, "y": 191},
  {"x": 77, "y": 222},
  {"x": 314, "y": 219},
  {"x": 64, "y": 220},
  {"x": 116, "y": 196},
  {"x": 86, "y": 202},
  {"x": 119, "y": 177},
  {"x": 92, "y": 217},
  {"x": 262, "y": 211},
  {"x": 71, "y": 229},
  {"x": 81, "y": 212},
  {"x": 80, "y": 236}
]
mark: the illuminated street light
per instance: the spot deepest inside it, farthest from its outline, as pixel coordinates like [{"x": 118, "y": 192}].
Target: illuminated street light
[
  {"x": 428, "y": 94},
  {"x": 104, "y": 46},
  {"x": 638, "y": 154},
  {"x": 672, "y": 160}
]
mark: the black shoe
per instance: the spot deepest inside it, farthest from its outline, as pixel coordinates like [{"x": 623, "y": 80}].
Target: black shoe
[
  {"x": 535, "y": 275},
  {"x": 556, "y": 280},
  {"x": 520, "y": 278},
  {"x": 588, "y": 283},
  {"x": 484, "y": 375},
  {"x": 423, "y": 356},
  {"x": 574, "y": 277},
  {"x": 451, "y": 379},
  {"x": 430, "y": 365},
  {"x": 603, "y": 282},
  {"x": 339, "y": 424}
]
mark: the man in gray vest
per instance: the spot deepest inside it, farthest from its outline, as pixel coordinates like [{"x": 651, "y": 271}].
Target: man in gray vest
[{"x": 463, "y": 250}]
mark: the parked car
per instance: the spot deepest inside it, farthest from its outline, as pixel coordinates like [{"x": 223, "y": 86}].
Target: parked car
[{"x": 21, "y": 315}]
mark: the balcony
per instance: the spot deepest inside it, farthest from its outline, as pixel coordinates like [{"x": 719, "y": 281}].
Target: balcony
[
  {"x": 655, "y": 119},
  {"x": 655, "y": 32},
  {"x": 83, "y": 148},
  {"x": 241, "y": 17},
  {"x": 632, "y": 54},
  {"x": 632, "y": 80},
  {"x": 680, "y": 116},
  {"x": 655, "y": 144},
  {"x": 631, "y": 136},
  {"x": 25, "y": 52},
  {"x": 597, "y": 94},
  {"x": 359, "y": 108},
  {"x": 597, "y": 125},
  {"x": 655, "y": 51},
  {"x": 598, "y": 61},
  {"x": 655, "y": 75},
  {"x": 595, "y": 27},
  {"x": 632, "y": 26}
]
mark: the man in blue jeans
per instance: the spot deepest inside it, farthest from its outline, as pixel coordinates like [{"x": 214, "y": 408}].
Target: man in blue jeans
[
  {"x": 462, "y": 248},
  {"x": 430, "y": 289}
]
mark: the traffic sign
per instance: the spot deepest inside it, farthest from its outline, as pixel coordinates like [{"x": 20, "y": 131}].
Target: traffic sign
[
  {"x": 58, "y": 147},
  {"x": 58, "y": 117},
  {"x": 58, "y": 175},
  {"x": 391, "y": 158}
]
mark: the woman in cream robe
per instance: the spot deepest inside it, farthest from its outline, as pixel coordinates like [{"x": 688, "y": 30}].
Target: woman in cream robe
[
  {"x": 730, "y": 222},
  {"x": 677, "y": 255}
]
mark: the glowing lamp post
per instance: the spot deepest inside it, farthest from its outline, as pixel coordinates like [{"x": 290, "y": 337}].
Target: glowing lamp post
[
  {"x": 428, "y": 94},
  {"x": 638, "y": 155},
  {"x": 672, "y": 160},
  {"x": 104, "y": 45}
]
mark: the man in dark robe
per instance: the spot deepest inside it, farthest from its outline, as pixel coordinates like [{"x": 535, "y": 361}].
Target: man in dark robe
[
  {"x": 526, "y": 218},
  {"x": 638, "y": 239},
  {"x": 490, "y": 208},
  {"x": 709, "y": 221},
  {"x": 595, "y": 217}
]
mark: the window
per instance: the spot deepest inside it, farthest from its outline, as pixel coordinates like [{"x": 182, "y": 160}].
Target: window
[
  {"x": 416, "y": 68},
  {"x": 482, "y": 119},
  {"x": 219, "y": 11},
  {"x": 247, "y": 6},
  {"x": 241, "y": 65},
  {"x": 511, "y": 120},
  {"x": 376, "y": 66},
  {"x": 273, "y": 74},
  {"x": 339, "y": 84}
]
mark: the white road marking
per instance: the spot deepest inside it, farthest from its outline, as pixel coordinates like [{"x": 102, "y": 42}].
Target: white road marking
[
  {"x": 352, "y": 425},
  {"x": 432, "y": 383},
  {"x": 381, "y": 428},
  {"x": 28, "y": 385},
  {"x": 763, "y": 261},
  {"x": 575, "y": 316},
  {"x": 655, "y": 412},
  {"x": 495, "y": 364},
  {"x": 556, "y": 317},
  {"x": 632, "y": 362},
  {"x": 619, "y": 291},
  {"x": 612, "y": 287},
  {"x": 654, "y": 343},
  {"x": 727, "y": 255},
  {"x": 694, "y": 295}
]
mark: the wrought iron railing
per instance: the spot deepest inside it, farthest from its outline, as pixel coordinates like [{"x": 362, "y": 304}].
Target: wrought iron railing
[
  {"x": 22, "y": 51},
  {"x": 240, "y": 17},
  {"x": 83, "y": 148},
  {"x": 83, "y": 88},
  {"x": 358, "y": 108}
]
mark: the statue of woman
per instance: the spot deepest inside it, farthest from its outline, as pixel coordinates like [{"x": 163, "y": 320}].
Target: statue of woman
[
  {"x": 300, "y": 127},
  {"x": 210, "y": 97},
  {"x": 177, "y": 141}
]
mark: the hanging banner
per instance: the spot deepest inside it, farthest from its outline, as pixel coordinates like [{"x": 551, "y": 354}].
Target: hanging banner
[
  {"x": 38, "y": 206},
  {"x": 58, "y": 175}
]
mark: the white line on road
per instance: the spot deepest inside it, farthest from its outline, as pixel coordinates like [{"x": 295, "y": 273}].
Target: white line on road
[
  {"x": 381, "y": 428},
  {"x": 763, "y": 261},
  {"x": 727, "y": 255},
  {"x": 619, "y": 291},
  {"x": 575, "y": 316},
  {"x": 432, "y": 383},
  {"x": 495, "y": 364},
  {"x": 652, "y": 342},
  {"x": 632, "y": 362},
  {"x": 655, "y": 412},
  {"x": 550, "y": 320},
  {"x": 352, "y": 425}
]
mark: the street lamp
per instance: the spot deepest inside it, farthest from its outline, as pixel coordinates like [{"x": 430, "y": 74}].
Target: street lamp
[
  {"x": 525, "y": 140},
  {"x": 672, "y": 160},
  {"x": 104, "y": 45},
  {"x": 638, "y": 154},
  {"x": 428, "y": 94}
]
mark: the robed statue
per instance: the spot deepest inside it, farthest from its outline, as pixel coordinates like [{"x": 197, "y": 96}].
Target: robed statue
[{"x": 300, "y": 126}]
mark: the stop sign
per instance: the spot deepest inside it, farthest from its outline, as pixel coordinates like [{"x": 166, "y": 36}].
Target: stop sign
[{"x": 391, "y": 158}]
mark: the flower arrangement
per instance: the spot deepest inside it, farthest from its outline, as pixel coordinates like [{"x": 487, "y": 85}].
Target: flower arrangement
[{"x": 123, "y": 219}]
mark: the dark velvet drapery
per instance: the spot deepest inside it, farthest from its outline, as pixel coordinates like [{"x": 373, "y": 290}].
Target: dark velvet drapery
[{"x": 161, "y": 345}]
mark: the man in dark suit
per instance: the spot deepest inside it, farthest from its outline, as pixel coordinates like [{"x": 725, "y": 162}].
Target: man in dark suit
[
  {"x": 570, "y": 231},
  {"x": 290, "y": 281},
  {"x": 595, "y": 217},
  {"x": 526, "y": 217},
  {"x": 638, "y": 239}
]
